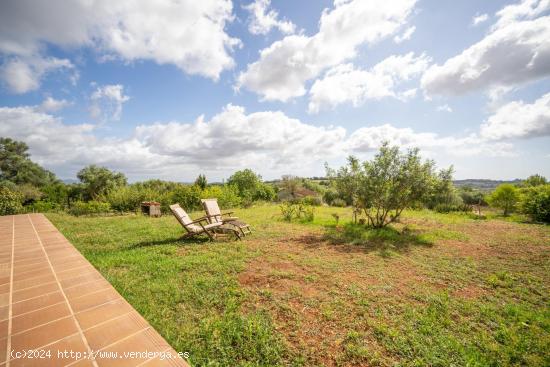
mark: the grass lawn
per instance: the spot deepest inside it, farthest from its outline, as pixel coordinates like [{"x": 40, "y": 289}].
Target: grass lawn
[{"x": 436, "y": 289}]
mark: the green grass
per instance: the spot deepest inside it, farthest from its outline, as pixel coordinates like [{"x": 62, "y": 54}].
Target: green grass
[{"x": 435, "y": 289}]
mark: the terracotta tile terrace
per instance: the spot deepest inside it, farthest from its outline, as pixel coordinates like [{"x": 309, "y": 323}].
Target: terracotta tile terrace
[{"x": 54, "y": 302}]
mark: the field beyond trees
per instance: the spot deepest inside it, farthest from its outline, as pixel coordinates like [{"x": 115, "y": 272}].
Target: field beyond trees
[{"x": 431, "y": 289}]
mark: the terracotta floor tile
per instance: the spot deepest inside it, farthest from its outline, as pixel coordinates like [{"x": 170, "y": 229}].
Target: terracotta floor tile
[
  {"x": 45, "y": 334},
  {"x": 94, "y": 299},
  {"x": 60, "y": 353},
  {"x": 87, "y": 288},
  {"x": 35, "y": 291},
  {"x": 103, "y": 313},
  {"x": 39, "y": 317},
  {"x": 37, "y": 303},
  {"x": 39, "y": 273},
  {"x": 146, "y": 341},
  {"x": 4, "y": 312},
  {"x": 23, "y": 284},
  {"x": 114, "y": 330}
]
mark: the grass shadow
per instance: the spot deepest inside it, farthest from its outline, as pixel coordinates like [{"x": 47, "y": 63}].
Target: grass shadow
[
  {"x": 355, "y": 237},
  {"x": 171, "y": 241}
]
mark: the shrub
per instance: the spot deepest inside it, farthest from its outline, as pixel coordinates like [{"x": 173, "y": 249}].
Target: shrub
[
  {"x": 306, "y": 212},
  {"x": 43, "y": 206},
  {"x": 125, "y": 198},
  {"x": 330, "y": 195},
  {"x": 535, "y": 202},
  {"x": 504, "y": 197},
  {"x": 89, "y": 208},
  {"x": 227, "y": 196},
  {"x": 312, "y": 200},
  {"x": 189, "y": 197},
  {"x": 288, "y": 210},
  {"x": 448, "y": 208},
  {"x": 10, "y": 201},
  {"x": 339, "y": 203}
]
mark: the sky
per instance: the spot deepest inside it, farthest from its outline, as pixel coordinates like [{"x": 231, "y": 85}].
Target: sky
[{"x": 171, "y": 89}]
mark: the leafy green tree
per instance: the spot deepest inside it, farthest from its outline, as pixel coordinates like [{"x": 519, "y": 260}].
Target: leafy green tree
[
  {"x": 534, "y": 180},
  {"x": 504, "y": 197},
  {"x": 201, "y": 181},
  {"x": 386, "y": 185},
  {"x": 246, "y": 182},
  {"x": 535, "y": 202},
  {"x": 16, "y": 166},
  {"x": 98, "y": 180}
]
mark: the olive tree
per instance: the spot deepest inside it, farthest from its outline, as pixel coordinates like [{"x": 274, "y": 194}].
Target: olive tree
[
  {"x": 99, "y": 180},
  {"x": 383, "y": 187}
]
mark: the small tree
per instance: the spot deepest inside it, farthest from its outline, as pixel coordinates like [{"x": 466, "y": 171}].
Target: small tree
[
  {"x": 504, "y": 197},
  {"x": 385, "y": 186},
  {"x": 391, "y": 182},
  {"x": 201, "y": 181},
  {"x": 98, "y": 180}
]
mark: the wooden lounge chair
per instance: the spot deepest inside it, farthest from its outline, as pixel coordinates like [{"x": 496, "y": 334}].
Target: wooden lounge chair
[
  {"x": 214, "y": 215},
  {"x": 200, "y": 225}
]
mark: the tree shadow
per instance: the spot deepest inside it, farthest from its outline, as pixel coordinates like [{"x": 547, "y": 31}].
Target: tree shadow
[{"x": 352, "y": 237}]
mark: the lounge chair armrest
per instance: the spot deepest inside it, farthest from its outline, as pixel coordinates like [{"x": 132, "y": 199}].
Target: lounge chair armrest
[
  {"x": 207, "y": 226},
  {"x": 227, "y": 213},
  {"x": 199, "y": 220}
]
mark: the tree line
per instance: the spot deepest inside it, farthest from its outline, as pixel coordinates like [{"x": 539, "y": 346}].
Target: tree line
[{"x": 379, "y": 189}]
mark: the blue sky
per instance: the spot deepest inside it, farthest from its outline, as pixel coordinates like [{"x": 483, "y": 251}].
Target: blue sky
[{"x": 172, "y": 89}]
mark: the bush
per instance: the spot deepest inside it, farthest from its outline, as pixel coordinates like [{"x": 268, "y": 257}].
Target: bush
[
  {"x": 339, "y": 203},
  {"x": 89, "y": 208},
  {"x": 535, "y": 202},
  {"x": 290, "y": 210},
  {"x": 126, "y": 198},
  {"x": 227, "y": 196},
  {"x": 189, "y": 197},
  {"x": 10, "y": 201},
  {"x": 330, "y": 195},
  {"x": 42, "y": 206},
  {"x": 312, "y": 200}
]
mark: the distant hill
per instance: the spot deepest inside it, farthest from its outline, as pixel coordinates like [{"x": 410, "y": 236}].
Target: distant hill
[{"x": 481, "y": 184}]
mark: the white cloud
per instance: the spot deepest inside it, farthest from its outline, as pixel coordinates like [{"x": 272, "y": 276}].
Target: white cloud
[
  {"x": 515, "y": 52},
  {"x": 51, "y": 104},
  {"x": 479, "y": 18},
  {"x": 344, "y": 83},
  {"x": 262, "y": 20},
  {"x": 189, "y": 34},
  {"x": 524, "y": 9},
  {"x": 519, "y": 120},
  {"x": 284, "y": 67},
  {"x": 267, "y": 141},
  {"x": 107, "y": 101},
  {"x": 444, "y": 108},
  {"x": 405, "y": 36},
  {"x": 370, "y": 138},
  {"x": 24, "y": 74}
]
